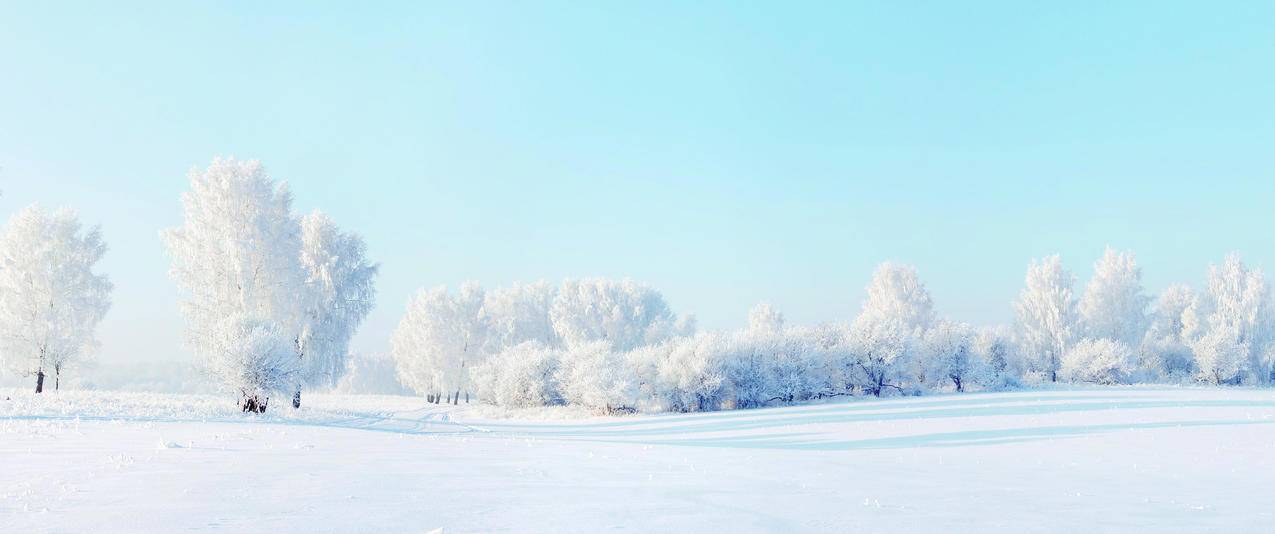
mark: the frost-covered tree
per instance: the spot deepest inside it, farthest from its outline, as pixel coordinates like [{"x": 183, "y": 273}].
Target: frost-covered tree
[
  {"x": 691, "y": 372},
  {"x": 998, "y": 363},
  {"x": 765, "y": 320},
  {"x": 1046, "y": 314},
  {"x": 338, "y": 294},
  {"x": 439, "y": 338},
  {"x": 622, "y": 313},
  {"x": 250, "y": 266},
  {"x": 520, "y": 313},
  {"x": 1168, "y": 311},
  {"x": 1166, "y": 350},
  {"x": 896, "y": 295},
  {"x": 1113, "y": 305},
  {"x": 50, "y": 299},
  {"x": 879, "y": 352},
  {"x": 897, "y": 308},
  {"x": 237, "y": 256},
  {"x": 1236, "y": 304},
  {"x": 1098, "y": 361},
  {"x": 949, "y": 348},
  {"x": 523, "y": 375}
]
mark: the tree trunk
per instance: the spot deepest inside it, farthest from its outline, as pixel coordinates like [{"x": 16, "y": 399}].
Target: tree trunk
[
  {"x": 456, "y": 399},
  {"x": 57, "y": 379},
  {"x": 255, "y": 404},
  {"x": 466, "y": 397},
  {"x": 296, "y": 399},
  {"x": 39, "y": 381}
]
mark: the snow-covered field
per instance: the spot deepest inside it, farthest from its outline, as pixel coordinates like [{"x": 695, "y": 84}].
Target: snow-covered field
[{"x": 1107, "y": 460}]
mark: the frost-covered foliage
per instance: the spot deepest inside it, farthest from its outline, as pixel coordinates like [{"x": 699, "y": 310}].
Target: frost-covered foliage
[
  {"x": 616, "y": 346},
  {"x": 897, "y": 296},
  {"x": 1220, "y": 358},
  {"x": 1235, "y": 306},
  {"x": 520, "y": 313},
  {"x": 1046, "y": 315},
  {"x": 1166, "y": 349},
  {"x": 1114, "y": 306},
  {"x": 439, "y": 337},
  {"x": 340, "y": 293},
  {"x": 250, "y": 266},
  {"x": 622, "y": 313},
  {"x": 765, "y": 320},
  {"x": 523, "y": 375},
  {"x": 1168, "y": 312},
  {"x": 949, "y": 349},
  {"x": 50, "y": 299},
  {"x": 1098, "y": 361},
  {"x": 879, "y": 355},
  {"x": 256, "y": 357},
  {"x": 442, "y": 336},
  {"x": 594, "y": 375},
  {"x": 998, "y": 363}
]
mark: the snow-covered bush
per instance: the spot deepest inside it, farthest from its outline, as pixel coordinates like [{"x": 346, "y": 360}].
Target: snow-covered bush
[
  {"x": 691, "y": 373},
  {"x": 1098, "y": 361},
  {"x": 1220, "y": 358},
  {"x": 519, "y": 376},
  {"x": 763, "y": 369},
  {"x": 595, "y": 376},
  {"x": 795, "y": 369},
  {"x": 1166, "y": 359},
  {"x": 255, "y": 359}
]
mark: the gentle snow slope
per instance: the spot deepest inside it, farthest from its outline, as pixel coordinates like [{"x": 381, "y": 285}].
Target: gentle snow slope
[{"x": 1109, "y": 460}]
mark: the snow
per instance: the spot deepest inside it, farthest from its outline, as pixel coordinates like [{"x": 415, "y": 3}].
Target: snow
[{"x": 1103, "y": 460}]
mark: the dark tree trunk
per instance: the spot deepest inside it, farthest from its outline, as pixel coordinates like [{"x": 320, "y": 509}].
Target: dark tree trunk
[
  {"x": 296, "y": 399},
  {"x": 959, "y": 387},
  {"x": 57, "y": 379},
  {"x": 255, "y": 404},
  {"x": 466, "y": 397},
  {"x": 39, "y": 381},
  {"x": 429, "y": 398},
  {"x": 456, "y": 398}
]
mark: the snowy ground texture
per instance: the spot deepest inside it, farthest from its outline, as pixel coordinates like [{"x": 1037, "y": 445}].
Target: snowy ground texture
[{"x": 1110, "y": 460}]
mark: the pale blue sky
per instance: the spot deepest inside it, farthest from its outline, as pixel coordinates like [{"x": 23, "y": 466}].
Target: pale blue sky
[{"x": 724, "y": 152}]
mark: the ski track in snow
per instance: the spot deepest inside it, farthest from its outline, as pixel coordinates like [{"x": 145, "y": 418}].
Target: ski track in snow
[{"x": 1158, "y": 459}]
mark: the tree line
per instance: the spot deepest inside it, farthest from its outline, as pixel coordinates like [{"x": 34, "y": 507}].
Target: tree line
[{"x": 272, "y": 298}]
